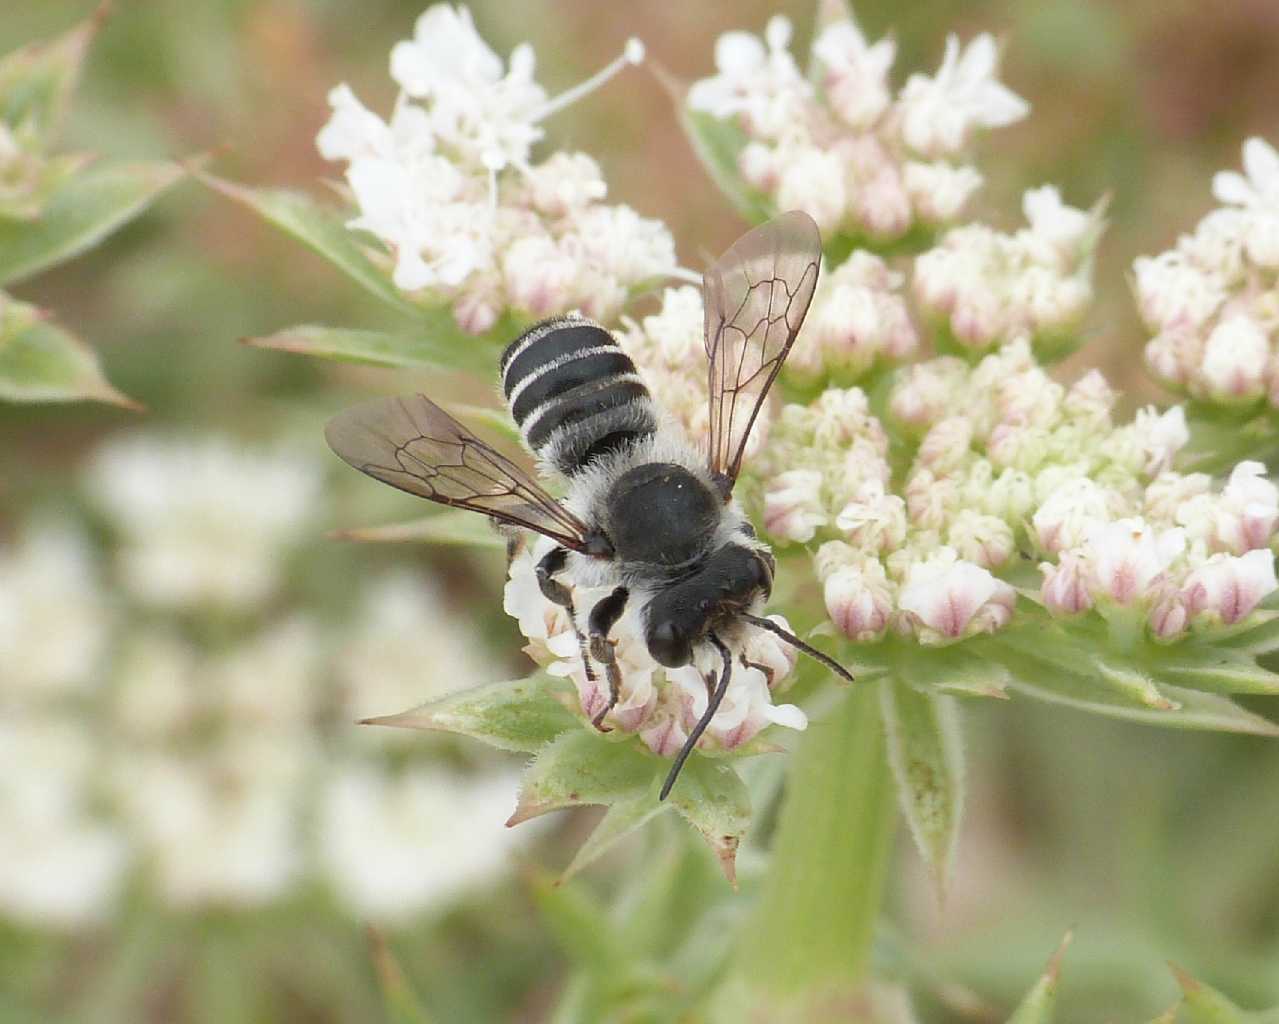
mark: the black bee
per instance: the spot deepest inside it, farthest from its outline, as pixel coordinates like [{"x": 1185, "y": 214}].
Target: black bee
[{"x": 645, "y": 511}]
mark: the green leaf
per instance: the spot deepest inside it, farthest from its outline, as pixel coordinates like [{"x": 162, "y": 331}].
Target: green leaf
[
  {"x": 621, "y": 820},
  {"x": 437, "y": 344},
  {"x": 1257, "y": 636},
  {"x": 34, "y": 181},
  {"x": 951, "y": 670},
  {"x": 925, "y": 752},
  {"x": 322, "y": 231},
  {"x": 454, "y": 526},
  {"x": 1203, "y": 1004},
  {"x": 80, "y": 214},
  {"x": 711, "y": 797},
  {"x": 402, "y": 1005},
  {"x": 718, "y": 144},
  {"x": 41, "y": 362},
  {"x": 1217, "y": 671},
  {"x": 1040, "y": 1002},
  {"x": 582, "y": 766},
  {"x": 36, "y": 82},
  {"x": 521, "y": 715}
]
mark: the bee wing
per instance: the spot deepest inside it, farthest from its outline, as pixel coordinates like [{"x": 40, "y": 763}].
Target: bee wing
[
  {"x": 412, "y": 444},
  {"x": 756, "y": 296}
]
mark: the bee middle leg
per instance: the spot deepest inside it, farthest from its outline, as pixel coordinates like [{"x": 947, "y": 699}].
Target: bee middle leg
[
  {"x": 603, "y": 618},
  {"x": 557, "y": 593}
]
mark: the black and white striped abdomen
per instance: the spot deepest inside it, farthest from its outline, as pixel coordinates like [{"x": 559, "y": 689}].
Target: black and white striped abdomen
[{"x": 573, "y": 392}]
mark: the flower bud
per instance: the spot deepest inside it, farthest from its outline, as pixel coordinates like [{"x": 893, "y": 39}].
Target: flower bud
[
  {"x": 1127, "y": 557},
  {"x": 859, "y": 600},
  {"x": 1248, "y": 511},
  {"x": 1065, "y": 519},
  {"x": 875, "y": 520},
  {"x": 793, "y": 508},
  {"x": 981, "y": 539},
  {"x": 939, "y": 191},
  {"x": 1235, "y": 359},
  {"x": 1226, "y": 588},
  {"x": 947, "y": 444},
  {"x": 1065, "y": 587},
  {"x": 947, "y": 599},
  {"x": 812, "y": 180}
]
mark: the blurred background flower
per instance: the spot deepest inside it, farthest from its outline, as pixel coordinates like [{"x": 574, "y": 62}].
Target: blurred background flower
[{"x": 191, "y": 827}]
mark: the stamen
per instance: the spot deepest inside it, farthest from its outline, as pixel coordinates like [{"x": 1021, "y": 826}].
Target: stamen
[{"x": 632, "y": 53}]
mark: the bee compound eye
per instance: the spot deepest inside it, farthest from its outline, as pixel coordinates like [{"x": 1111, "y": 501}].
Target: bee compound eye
[{"x": 668, "y": 645}]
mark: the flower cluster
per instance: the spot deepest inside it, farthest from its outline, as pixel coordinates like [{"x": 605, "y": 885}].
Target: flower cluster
[
  {"x": 837, "y": 144},
  {"x": 660, "y": 704},
  {"x": 1211, "y": 302},
  {"x": 449, "y": 186},
  {"x": 214, "y": 758},
  {"x": 1007, "y": 461},
  {"x": 986, "y": 288}
]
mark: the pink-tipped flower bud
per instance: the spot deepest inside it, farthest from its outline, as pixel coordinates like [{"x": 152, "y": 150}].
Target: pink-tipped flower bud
[
  {"x": 793, "y": 508},
  {"x": 947, "y": 599},
  {"x": 1226, "y": 588},
  {"x": 1235, "y": 359},
  {"x": 859, "y": 600},
  {"x": 1065, "y": 586}
]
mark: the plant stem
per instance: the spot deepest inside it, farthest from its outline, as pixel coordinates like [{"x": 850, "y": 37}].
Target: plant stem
[{"x": 812, "y": 932}]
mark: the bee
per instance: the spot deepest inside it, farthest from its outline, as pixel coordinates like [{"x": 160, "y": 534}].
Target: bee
[{"x": 644, "y": 511}]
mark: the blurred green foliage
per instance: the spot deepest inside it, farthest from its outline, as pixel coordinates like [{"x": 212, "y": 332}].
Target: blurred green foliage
[{"x": 1153, "y": 846}]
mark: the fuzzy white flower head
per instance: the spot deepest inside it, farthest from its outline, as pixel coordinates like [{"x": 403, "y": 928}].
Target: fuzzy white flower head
[
  {"x": 947, "y": 598},
  {"x": 1129, "y": 556},
  {"x": 397, "y": 847},
  {"x": 856, "y": 72},
  {"x": 53, "y": 617},
  {"x": 219, "y": 538},
  {"x": 1226, "y": 588},
  {"x": 939, "y": 114},
  {"x": 758, "y": 81},
  {"x": 157, "y": 692}
]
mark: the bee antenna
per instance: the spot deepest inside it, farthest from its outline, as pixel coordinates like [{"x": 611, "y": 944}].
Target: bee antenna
[
  {"x": 799, "y": 645},
  {"x": 712, "y": 706}
]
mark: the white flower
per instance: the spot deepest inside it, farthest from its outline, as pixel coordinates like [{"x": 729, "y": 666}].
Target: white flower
[
  {"x": 856, "y": 73},
  {"x": 1172, "y": 293},
  {"x": 793, "y": 508},
  {"x": 484, "y": 112},
  {"x": 1128, "y": 556},
  {"x": 224, "y": 832},
  {"x": 760, "y": 84},
  {"x": 1248, "y": 512},
  {"x": 203, "y": 521},
  {"x": 940, "y": 190},
  {"x": 1159, "y": 437},
  {"x": 982, "y": 539},
  {"x": 564, "y": 183},
  {"x": 812, "y": 179},
  {"x": 1235, "y": 359},
  {"x": 1226, "y": 588},
  {"x": 1260, "y": 187},
  {"x": 53, "y": 617},
  {"x": 158, "y": 689},
  {"x": 939, "y": 113},
  {"x": 947, "y": 598},
  {"x": 271, "y": 681},
  {"x": 857, "y": 591},
  {"x": 408, "y": 646},
  {"x": 395, "y": 847},
  {"x": 60, "y": 868},
  {"x": 1065, "y": 519},
  {"x": 875, "y": 520},
  {"x": 1065, "y": 230},
  {"x": 539, "y": 277}
]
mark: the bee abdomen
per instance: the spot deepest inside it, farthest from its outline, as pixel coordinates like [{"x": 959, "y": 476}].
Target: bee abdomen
[{"x": 574, "y": 394}]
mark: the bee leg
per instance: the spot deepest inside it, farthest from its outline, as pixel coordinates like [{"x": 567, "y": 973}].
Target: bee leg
[
  {"x": 603, "y": 618},
  {"x": 765, "y": 669},
  {"x": 555, "y": 592},
  {"x": 712, "y": 706}
]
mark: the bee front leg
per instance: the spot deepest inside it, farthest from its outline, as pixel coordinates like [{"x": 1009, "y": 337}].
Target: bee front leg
[
  {"x": 603, "y": 618},
  {"x": 555, "y": 592}
]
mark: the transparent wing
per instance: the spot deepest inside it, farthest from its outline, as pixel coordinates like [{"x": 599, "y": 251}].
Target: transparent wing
[
  {"x": 411, "y": 443},
  {"x": 756, "y": 296}
]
